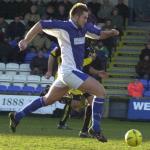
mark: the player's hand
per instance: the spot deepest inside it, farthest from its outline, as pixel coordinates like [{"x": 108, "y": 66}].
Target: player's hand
[
  {"x": 48, "y": 75},
  {"x": 103, "y": 74},
  {"x": 115, "y": 32},
  {"x": 23, "y": 44}
]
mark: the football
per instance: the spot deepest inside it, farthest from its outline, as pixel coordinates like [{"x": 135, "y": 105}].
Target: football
[{"x": 133, "y": 137}]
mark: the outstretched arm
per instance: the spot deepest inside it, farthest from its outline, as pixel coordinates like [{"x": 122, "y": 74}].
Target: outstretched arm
[
  {"x": 98, "y": 73},
  {"x": 109, "y": 33},
  {"x": 37, "y": 28},
  {"x": 95, "y": 32},
  {"x": 51, "y": 27}
]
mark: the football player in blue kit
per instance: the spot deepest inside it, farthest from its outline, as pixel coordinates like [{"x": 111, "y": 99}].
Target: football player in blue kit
[{"x": 71, "y": 38}]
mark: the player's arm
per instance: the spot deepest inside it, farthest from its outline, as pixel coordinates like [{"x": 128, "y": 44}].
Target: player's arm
[
  {"x": 48, "y": 26},
  {"x": 109, "y": 33},
  {"x": 55, "y": 53},
  {"x": 95, "y": 32},
  {"x": 51, "y": 61},
  {"x": 99, "y": 73},
  {"x": 37, "y": 28}
]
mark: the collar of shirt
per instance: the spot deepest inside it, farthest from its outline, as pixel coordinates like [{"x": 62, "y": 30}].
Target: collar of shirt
[{"x": 70, "y": 20}]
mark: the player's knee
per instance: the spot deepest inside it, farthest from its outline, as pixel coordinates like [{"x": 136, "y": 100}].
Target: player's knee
[
  {"x": 104, "y": 92},
  {"x": 101, "y": 93}
]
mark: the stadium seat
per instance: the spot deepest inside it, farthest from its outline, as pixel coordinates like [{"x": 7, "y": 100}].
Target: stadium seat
[
  {"x": 29, "y": 56},
  {"x": 2, "y": 68},
  {"x": 19, "y": 79},
  {"x": 13, "y": 43},
  {"x": 45, "y": 81},
  {"x": 13, "y": 88},
  {"x": 147, "y": 94},
  {"x": 145, "y": 83},
  {"x": 12, "y": 67},
  {"x": 39, "y": 89},
  {"x": 21, "y": 85},
  {"x": 1, "y": 72},
  {"x": 35, "y": 85},
  {"x": 5, "y": 83},
  {"x": 24, "y": 69},
  {"x": 28, "y": 89},
  {"x": 5, "y": 79},
  {"x": 33, "y": 80},
  {"x": 3, "y": 88},
  {"x": 24, "y": 73},
  {"x": 10, "y": 72}
]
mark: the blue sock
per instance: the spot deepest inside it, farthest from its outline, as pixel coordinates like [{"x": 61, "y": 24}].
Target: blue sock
[
  {"x": 38, "y": 103},
  {"x": 97, "y": 110}
]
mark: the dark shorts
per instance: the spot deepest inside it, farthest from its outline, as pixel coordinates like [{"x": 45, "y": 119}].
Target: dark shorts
[{"x": 80, "y": 97}]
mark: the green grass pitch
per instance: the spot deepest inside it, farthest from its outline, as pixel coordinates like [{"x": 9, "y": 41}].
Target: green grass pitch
[{"x": 40, "y": 133}]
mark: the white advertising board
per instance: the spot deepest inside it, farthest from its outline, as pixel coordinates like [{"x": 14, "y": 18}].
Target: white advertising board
[{"x": 17, "y": 102}]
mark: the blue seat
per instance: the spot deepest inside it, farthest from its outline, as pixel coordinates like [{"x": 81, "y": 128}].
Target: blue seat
[
  {"x": 28, "y": 89},
  {"x": 145, "y": 83},
  {"x": 13, "y": 88},
  {"x": 13, "y": 43},
  {"x": 29, "y": 56},
  {"x": 147, "y": 94},
  {"x": 3, "y": 88},
  {"x": 39, "y": 89}
]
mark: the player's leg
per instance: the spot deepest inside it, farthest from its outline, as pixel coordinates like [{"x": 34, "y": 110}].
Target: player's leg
[
  {"x": 66, "y": 112},
  {"x": 79, "y": 80},
  {"x": 94, "y": 87},
  {"x": 87, "y": 117},
  {"x": 56, "y": 91},
  {"x": 74, "y": 104}
]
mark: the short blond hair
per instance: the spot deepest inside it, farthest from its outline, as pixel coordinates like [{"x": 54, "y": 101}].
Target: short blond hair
[{"x": 78, "y": 9}]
